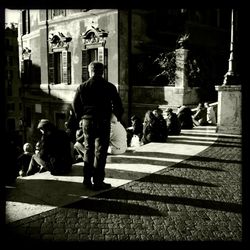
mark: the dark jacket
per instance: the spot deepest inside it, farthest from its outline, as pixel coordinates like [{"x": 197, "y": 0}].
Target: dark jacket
[
  {"x": 173, "y": 124},
  {"x": 97, "y": 98},
  {"x": 185, "y": 117},
  {"x": 55, "y": 151}
]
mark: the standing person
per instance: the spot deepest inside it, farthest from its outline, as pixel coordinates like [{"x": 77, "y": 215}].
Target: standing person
[
  {"x": 118, "y": 137},
  {"x": 54, "y": 152},
  {"x": 94, "y": 102}
]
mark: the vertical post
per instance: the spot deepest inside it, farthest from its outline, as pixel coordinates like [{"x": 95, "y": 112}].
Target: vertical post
[{"x": 230, "y": 76}]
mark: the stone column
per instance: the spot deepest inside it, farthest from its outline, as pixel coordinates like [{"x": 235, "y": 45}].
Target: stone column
[
  {"x": 229, "y": 119},
  {"x": 181, "y": 81},
  {"x": 123, "y": 60}
]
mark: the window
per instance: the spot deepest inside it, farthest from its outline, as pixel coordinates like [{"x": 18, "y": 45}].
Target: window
[
  {"x": 9, "y": 90},
  {"x": 60, "y": 67},
  {"x": 94, "y": 54},
  {"x": 11, "y": 124},
  {"x": 11, "y": 107},
  {"x": 58, "y": 12}
]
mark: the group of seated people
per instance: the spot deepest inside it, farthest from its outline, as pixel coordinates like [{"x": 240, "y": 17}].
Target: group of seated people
[
  {"x": 63, "y": 148},
  {"x": 155, "y": 127}
]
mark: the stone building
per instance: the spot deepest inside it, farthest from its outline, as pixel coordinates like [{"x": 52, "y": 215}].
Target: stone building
[
  {"x": 56, "y": 45},
  {"x": 12, "y": 85}
]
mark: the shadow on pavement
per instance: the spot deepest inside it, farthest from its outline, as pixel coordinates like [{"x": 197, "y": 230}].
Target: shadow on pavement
[
  {"x": 113, "y": 207},
  {"x": 119, "y": 194}
]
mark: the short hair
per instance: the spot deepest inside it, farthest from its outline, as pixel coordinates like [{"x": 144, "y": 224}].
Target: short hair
[
  {"x": 27, "y": 147},
  {"x": 96, "y": 67},
  {"x": 45, "y": 124}
]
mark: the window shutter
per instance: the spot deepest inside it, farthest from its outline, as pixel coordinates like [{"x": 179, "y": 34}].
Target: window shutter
[
  {"x": 101, "y": 54},
  {"x": 51, "y": 69},
  {"x": 85, "y": 74},
  {"x": 66, "y": 66}
]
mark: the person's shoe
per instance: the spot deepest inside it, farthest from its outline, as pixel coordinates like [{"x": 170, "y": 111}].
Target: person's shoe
[
  {"x": 101, "y": 186},
  {"x": 88, "y": 184}
]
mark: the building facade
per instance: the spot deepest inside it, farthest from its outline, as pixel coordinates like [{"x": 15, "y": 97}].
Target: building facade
[
  {"x": 12, "y": 85},
  {"x": 56, "y": 45}
]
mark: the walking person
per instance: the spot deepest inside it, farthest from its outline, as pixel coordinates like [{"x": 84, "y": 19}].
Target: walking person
[{"x": 94, "y": 102}]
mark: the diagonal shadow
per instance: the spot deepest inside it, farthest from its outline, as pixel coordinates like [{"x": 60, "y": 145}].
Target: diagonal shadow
[
  {"x": 169, "y": 179},
  {"x": 119, "y": 193},
  {"x": 46, "y": 192},
  {"x": 190, "y": 166},
  {"x": 175, "y": 156},
  {"x": 206, "y": 144},
  {"x": 186, "y": 138},
  {"x": 113, "y": 207}
]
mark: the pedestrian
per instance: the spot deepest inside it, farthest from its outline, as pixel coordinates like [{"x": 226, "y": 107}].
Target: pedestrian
[
  {"x": 54, "y": 153},
  {"x": 94, "y": 102},
  {"x": 23, "y": 160},
  {"x": 118, "y": 137}
]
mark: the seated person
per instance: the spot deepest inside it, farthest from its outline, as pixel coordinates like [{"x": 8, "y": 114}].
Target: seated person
[
  {"x": 23, "y": 160},
  {"x": 135, "y": 129},
  {"x": 184, "y": 115},
  {"x": 118, "y": 137},
  {"x": 211, "y": 117},
  {"x": 153, "y": 129},
  {"x": 79, "y": 144},
  {"x": 200, "y": 117},
  {"x": 173, "y": 123},
  {"x": 54, "y": 153}
]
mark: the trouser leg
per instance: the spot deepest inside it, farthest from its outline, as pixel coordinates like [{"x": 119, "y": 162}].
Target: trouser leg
[
  {"x": 89, "y": 145},
  {"x": 101, "y": 146}
]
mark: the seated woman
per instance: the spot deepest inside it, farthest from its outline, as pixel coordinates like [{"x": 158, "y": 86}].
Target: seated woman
[
  {"x": 118, "y": 137},
  {"x": 154, "y": 130}
]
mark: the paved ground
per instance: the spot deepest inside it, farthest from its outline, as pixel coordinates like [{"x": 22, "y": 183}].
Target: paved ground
[{"x": 188, "y": 189}]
